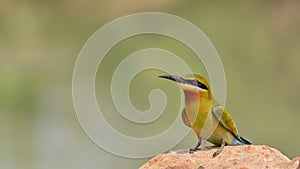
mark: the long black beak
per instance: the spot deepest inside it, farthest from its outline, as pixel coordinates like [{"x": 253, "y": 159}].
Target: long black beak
[{"x": 175, "y": 78}]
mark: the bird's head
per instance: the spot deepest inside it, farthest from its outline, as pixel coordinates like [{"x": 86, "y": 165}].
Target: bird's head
[{"x": 191, "y": 84}]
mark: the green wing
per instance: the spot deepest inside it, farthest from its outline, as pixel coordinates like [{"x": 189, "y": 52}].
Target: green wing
[
  {"x": 185, "y": 119},
  {"x": 225, "y": 119}
]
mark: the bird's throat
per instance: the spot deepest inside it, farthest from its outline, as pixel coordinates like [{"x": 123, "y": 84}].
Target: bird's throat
[
  {"x": 191, "y": 96},
  {"x": 192, "y": 106},
  {"x": 195, "y": 104}
]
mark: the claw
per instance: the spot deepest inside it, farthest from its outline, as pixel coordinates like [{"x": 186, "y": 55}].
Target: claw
[
  {"x": 192, "y": 150},
  {"x": 196, "y": 148},
  {"x": 219, "y": 150}
]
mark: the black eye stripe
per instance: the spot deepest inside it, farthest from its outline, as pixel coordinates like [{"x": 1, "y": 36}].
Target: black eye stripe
[
  {"x": 199, "y": 84},
  {"x": 202, "y": 86}
]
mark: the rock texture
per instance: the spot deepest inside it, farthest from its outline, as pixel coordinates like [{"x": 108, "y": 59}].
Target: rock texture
[{"x": 240, "y": 157}]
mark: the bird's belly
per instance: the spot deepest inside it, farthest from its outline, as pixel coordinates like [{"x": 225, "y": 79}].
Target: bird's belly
[
  {"x": 220, "y": 134},
  {"x": 212, "y": 131}
]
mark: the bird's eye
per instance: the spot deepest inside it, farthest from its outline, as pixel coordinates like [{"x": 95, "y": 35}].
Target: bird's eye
[{"x": 195, "y": 82}]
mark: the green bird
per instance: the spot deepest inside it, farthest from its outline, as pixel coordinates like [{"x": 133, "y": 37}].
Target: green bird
[{"x": 202, "y": 108}]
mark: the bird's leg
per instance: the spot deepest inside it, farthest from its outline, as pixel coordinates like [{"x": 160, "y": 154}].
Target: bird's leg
[
  {"x": 220, "y": 149},
  {"x": 197, "y": 146}
]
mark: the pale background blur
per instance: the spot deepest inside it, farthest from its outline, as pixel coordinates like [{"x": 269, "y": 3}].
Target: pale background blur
[{"x": 258, "y": 42}]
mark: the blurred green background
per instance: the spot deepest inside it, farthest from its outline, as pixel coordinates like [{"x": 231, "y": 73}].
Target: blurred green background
[{"x": 258, "y": 42}]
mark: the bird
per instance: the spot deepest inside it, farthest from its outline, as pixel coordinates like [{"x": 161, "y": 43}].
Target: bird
[{"x": 202, "y": 108}]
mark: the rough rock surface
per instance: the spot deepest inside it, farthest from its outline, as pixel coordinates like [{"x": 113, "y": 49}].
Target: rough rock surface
[{"x": 240, "y": 157}]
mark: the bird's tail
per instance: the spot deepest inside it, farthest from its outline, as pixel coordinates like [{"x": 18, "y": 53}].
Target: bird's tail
[
  {"x": 238, "y": 140},
  {"x": 243, "y": 141}
]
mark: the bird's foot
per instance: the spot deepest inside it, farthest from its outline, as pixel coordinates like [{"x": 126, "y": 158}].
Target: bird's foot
[
  {"x": 219, "y": 150},
  {"x": 217, "y": 153},
  {"x": 192, "y": 150},
  {"x": 197, "y": 147}
]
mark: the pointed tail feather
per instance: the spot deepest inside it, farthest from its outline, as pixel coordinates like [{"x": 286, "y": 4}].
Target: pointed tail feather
[{"x": 244, "y": 141}]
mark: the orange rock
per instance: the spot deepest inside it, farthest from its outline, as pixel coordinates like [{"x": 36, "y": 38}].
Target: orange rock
[{"x": 241, "y": 157}]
